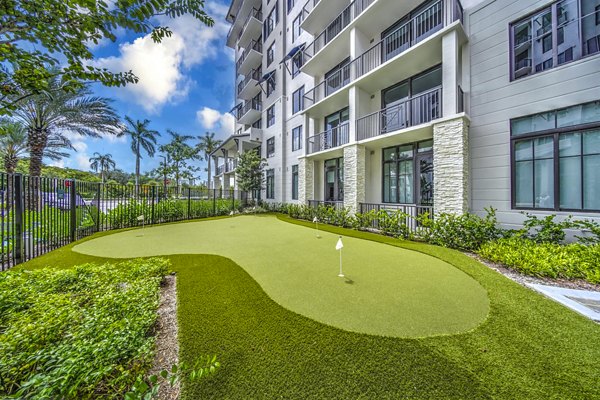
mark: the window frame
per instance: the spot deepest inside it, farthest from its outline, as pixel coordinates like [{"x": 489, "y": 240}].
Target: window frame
[
  {"x": 270, "y": 184},
  {"x": 270, "y": 23},
  {"x": 271, "y": 83},
  {"x": 298, "y": 100},
  {"x": 271, "y": 116},
  {"x": 270, "y": 147},
  {"x": 555, "y": 133},
  {"x": 297, "y": 131},
  {"x": 270, "y": 54},
  {"x": 296, "y": 68},
  {"x": 297, "y": 30},
  {"x": 295, "y": 181}
]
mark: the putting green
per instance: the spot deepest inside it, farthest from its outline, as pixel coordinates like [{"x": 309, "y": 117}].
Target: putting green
[{"x": 387, "y": 291}]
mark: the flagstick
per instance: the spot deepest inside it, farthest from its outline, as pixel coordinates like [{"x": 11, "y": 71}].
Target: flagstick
[{"x": 341, "y": 275}]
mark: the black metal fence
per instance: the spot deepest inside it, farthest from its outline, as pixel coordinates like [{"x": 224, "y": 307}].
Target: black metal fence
[
  {"x": 40, "y": 214},
  {"x": 411, "y": 212}
]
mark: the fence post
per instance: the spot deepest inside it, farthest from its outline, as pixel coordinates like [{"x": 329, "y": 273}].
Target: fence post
[
  {"x": 18, "y": 210},
  {"x": 214, "y": 202},
  {"x": 98, "y": 214},
  {"x": 73, "y": 209},
  {"x": 189, "y": 203},
  {"x": 152, "y": 207},
  {"x": 232, "y": 194}
]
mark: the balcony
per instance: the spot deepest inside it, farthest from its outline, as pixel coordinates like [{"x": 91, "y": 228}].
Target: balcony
[
  {"x": 249, "y": 88},
  {"x": 243, "y": 14},
  {"x": 250, "y": 112},
  {"x": 418, "y": 110},
  {"x": 317, "y": 14},
  {"x": 250, "y": 59},
  {"x": 330, "y": 139},
  {"x": 369, "y": 16},
  {"x": 231, "y": 165},
  {"x": 416, "y": 45},
  {"x": 252, "y": 26},
  {"x": 220, "y": 170}
]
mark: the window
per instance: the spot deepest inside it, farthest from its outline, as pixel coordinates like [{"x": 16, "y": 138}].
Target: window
[
  {"x": 271, "y": 83},
  {"x": 270, "y": 147},
  {"x": 297, "y": 62},
  {"x": 295, "y": 182},
  {"x": 298, "y": 100},
  {"x": 257, "y": 124},
  {"x": 290, "y": 5},
  {"x": 270, "y": 184},
  {"x": 598, "y": 15},
  {"x": 271, "y": 20},
  {"x": 553, "y": 36},
  {"x": 297, "y": 138},
  {"x": 334, "y": 179},
  {"x": 555, "y": 159},
  {"x": 296, "y": 30},
  {"x": 270, "y": 54},
  {"x": 408, "y": 173},
  {"x": 271, "y": 116}
]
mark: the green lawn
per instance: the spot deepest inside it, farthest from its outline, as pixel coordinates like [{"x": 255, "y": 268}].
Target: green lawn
[{"x": 527, "y": 347}]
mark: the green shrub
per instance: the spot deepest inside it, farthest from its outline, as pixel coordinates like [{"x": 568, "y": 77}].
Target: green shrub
[
  {"x": 78, "y": 333},
  {"x": 573, "y": 261},
  {"x": 545, "y": 230},
  {"x": 464, "y": 232}
]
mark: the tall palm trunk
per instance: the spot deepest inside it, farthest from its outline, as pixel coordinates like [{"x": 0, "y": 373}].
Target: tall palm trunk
[
  {"x": 209, "y": 170},
  {"x": 137, "y": 170},
  {"x": 37, "y": 141}
]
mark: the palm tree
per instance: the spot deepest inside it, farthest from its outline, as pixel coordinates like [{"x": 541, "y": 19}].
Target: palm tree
[
  {"x": 102, "y": 162},
  {"x": 180, "y": 154},
  {"x": 141, "y": 137},
  {"x": 208, "y": 145},
  {"x": 13, "y": 145},
  {"x": 52, "y": 116}
]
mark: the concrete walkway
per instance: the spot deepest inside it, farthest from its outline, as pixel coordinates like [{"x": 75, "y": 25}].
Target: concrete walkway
[{"x": 584, "y": 302}]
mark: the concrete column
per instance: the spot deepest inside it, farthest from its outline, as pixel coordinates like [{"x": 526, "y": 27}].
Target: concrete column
[
  {"x": 215, "y": 161},
  {"x": 354, "y": 176},
  {"x": 306, "y": 188},
  {"x": 450, "y": 73},
  {"x": 451, "y": 166}
]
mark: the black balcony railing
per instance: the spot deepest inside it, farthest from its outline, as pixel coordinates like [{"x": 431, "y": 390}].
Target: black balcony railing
[
  {"x": 335, "y": 137},
  {"x": 336, "y": 26},
  {"x": 310, "y": 6},
  {"x": 249, "y": 106},
  {"x": 415, "y": 30},
  {"x": 256, "y": 14},
  {"x": 338, "y": 205},
  {"x": 255, "y": 75},
  {"x": 418, "y": 110},
  {"x": 255, "y": 45}
]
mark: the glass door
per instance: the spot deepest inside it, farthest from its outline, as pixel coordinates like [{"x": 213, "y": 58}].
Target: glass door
[
  {"x": 395, "y": 104},
  {"x": 425, "y": 179},
  {"x": 333, "y": 127},
  {"x": 334, "y": 180}
]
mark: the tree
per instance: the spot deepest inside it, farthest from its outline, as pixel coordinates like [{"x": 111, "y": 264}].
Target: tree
[
  {"x": 51, "y": 116},
  {"x": 141, "y": 137},
  {"x": 13, "y": 146},
  {"x": 249, "y": 172},
  {"x": 207, "y": 145},
  {"x": 103, "y": 163},
  {"x": 180, "y": 154},
  {"x": 38, "y": 36}
]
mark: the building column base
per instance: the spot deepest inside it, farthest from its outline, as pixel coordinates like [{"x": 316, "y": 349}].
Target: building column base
[
  {"x": 451, "y": 166},
  {"x": 306, "y": 190}
]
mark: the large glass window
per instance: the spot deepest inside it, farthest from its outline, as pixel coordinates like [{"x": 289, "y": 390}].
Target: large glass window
[
  {"x": 270, "y": 147},
  {"x": 555, "y": 168},
  {"x": 562, "y": 32},
  {"x": 334, "y": 179},
  {"x": 271, "y": 116},
  {"x": 270, "y": 54},
  {"x": 271, "y": 20},
  {"x": 297, "y": 138},
  {"x": 270, "y": 184},
  {"x": 408, "y": 173},
  {"x": 296, "y": 30},
  {"x": 295, "y": 182},
  {"x": 297, "y": 62},
  {"x": 298, "y": 100}
]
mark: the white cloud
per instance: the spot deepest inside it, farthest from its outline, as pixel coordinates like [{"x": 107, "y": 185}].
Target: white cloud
[
  {"x": 57, "y": 163},
  {"x": 83, "y": 161},
  {"x": 161, "y": 67},
  {"x": 222, "y": 124}
]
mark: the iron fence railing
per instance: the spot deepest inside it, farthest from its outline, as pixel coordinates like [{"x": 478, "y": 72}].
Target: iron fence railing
[
  {"x": 418, "y": 110},
  {"x": 254, "y": 74},
  {"x": 338, "y": 205},
  {"x": 335, "y": 137},
  {"x": 411, "y": 213},
  {"x": 39, "y": 214}
]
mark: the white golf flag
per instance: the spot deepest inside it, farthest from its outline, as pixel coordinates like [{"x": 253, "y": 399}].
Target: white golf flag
[
  {"x": 315, "y": 220},
  {"x": 140, "y": 218},
  {"x": 339, "y": 244}
]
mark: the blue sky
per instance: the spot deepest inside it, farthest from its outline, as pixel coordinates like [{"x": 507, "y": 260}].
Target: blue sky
[{"x": 186, "y": 84}]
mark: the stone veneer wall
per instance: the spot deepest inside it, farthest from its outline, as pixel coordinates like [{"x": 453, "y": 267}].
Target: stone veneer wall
[
  {"x": 354, "y": 176},
  {"x": 305, "y": 180},
  {"x": 451, "y": 166}
]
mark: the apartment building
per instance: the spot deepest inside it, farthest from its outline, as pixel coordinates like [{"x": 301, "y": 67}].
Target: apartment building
[{"x": 419, "y": 104}]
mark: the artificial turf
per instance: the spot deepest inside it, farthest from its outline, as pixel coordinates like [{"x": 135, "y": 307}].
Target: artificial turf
[
  {"x": 528, "y": 347},
  {"x": 387, "y": 291}
]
